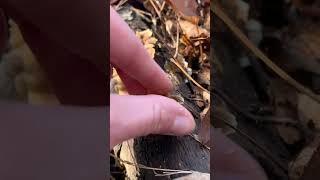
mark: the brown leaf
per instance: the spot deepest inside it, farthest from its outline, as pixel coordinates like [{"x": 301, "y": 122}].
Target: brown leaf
[
  {"x": 309, "y": 109},
  {"x": 148, "y": 41},
  {"x": 192, "y": 31},
  {"x": 187, "y": 8}
]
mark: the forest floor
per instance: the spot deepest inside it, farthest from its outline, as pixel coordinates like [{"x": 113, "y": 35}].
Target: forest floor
[
  {"x": 268, "y": 82},
  {"x": 177, "y": 36}
]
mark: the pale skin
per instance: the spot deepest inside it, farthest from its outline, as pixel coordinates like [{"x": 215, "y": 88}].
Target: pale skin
[{"x": 139, "y": 114}]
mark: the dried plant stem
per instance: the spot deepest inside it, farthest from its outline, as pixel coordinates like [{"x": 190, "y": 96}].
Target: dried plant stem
[
  {"x": 165, "y": 172},
  {"x": 141, "y": 11},
  {"x": 197, "y": 139},
  {"x": 142, "y": 14},
  {"x": 155, "y": 8},
  {"x": 177, "y": 40},
  {"x": 120, "y": 4},
  {"x": 257, "y": 52},
  {"x": 162, "y": 6},
  {"x": 188, "y": 76}
]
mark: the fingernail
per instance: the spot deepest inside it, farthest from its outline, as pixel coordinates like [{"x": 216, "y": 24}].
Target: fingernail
[{"x": 182, "y": 125}]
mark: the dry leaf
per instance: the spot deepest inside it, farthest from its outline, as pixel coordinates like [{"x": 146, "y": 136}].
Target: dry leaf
[
  {"x": 204, "y": 76},
  {"x": 116, "y": 84},
  {"x": 309, "y": 109},
  {"x": 148, "y": 41},
  {"x": 192, "y": 30},
  {"x": 186, "y": 8}
]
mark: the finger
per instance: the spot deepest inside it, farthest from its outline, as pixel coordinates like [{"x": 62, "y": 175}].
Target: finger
[
  {"x": 134, "y": 116},
  {"x": 128, "y": 54},
  {"x": 133, "y": 87}
]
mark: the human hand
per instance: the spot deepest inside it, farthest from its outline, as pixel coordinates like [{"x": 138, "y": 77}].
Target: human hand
[{"x": 139, "y": 114}]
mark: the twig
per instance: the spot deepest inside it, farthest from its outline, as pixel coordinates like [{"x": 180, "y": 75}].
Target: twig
[
  {"x": 140, "y": 11},
  {"x": 266, "y": 152},
  {"x": 166, "y": 172},
  {"x": 188, "y": 76},
  {"x": 155, "y": 8},
  {"x": 142, "y": 14},
  {"x": 162, "y": 6},
  {"x": 158, "y": 5},
  {"x": 122, "y": 2},
  {"x": 201, "y": 52},
  {"x": 257, "y": 52},
  {"x": 179, "y": 66},
  {"x": 196, "y": 139},
  {"x": 177, "y": 41}
]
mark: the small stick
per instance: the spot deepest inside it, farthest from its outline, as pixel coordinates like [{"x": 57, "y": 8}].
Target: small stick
[
  {"x": 142, "y": 14},
  {"x": 122, "y": 2},
  {"x": 196, "y": 139},
  {"x": 165, "y": 171},
  {"x": 177, "y": 41},
  {"x": 180, "y": 67},
  {"x": 141, "y": 11},
  {"x": 188, "y": 76},
  {"x": 155, "y": 8},
  {"x": 162, "y": 6}
]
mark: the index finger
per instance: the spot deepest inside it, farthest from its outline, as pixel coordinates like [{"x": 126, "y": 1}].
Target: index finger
[{"x": 128, "y": 54}]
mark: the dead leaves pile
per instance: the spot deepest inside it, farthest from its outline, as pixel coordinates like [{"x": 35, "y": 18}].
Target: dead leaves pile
[{"x": 148, "y": 41}]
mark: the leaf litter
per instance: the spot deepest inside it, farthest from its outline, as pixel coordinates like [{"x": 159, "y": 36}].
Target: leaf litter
[
  {"x": 291, "y": 67},
  {"x": 181, "y": 29}
]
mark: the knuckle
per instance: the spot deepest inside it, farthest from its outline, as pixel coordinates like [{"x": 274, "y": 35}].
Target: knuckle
[{"x": 161, "y": 119}]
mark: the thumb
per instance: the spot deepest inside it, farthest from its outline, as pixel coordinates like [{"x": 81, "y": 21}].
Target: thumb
[{"x": 134, "y": 116}]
